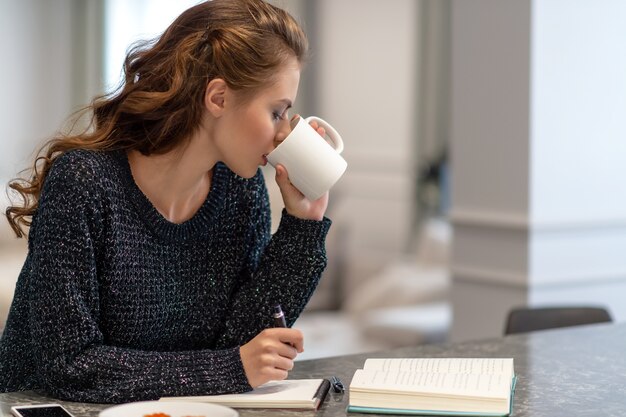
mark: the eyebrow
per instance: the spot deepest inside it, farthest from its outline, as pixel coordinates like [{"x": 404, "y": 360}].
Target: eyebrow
[{"x": 286, "y": 101}]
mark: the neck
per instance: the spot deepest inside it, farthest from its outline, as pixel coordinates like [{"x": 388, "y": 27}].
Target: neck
[{"x": 176, "y": 183}]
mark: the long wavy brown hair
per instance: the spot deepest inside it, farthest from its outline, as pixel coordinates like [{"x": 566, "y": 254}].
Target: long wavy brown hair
[{"x": 159, "y": 103}]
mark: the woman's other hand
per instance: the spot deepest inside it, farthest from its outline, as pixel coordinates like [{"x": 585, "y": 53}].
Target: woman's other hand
[
  {"x": 296, "y": 203},
  {"x": 269, "y": 356}
]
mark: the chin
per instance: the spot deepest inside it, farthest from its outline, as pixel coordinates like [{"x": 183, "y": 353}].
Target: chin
[
  {"x": 245, "y": 172},
  {"x": 250, "y": 175}
]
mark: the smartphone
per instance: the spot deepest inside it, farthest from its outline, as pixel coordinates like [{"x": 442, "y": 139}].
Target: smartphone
[{"x": 40, "y": 410}]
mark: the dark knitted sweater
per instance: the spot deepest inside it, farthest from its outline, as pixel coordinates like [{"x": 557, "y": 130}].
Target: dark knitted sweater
[{"x": 115, "y": 304}]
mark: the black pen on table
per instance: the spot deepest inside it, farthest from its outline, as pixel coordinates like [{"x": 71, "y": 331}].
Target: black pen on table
[{"x": 337, "y": 384}]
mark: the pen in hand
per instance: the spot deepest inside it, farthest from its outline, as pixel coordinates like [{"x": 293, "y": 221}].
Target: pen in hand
[{"x": 279, "y": 317}]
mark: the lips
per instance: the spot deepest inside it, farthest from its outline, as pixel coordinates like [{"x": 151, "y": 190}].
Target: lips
[{"x": 265, "y": 159}]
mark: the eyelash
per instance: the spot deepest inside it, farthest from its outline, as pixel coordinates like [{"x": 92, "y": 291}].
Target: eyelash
[{"x": 276, "y": 116}]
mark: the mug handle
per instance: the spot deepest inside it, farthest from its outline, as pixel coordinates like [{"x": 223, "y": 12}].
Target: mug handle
[{"x": 334, "y": 136}]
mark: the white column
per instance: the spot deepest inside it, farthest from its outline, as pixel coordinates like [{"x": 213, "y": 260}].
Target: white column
[
  {"x": 367, "y": 56},
  {"x": 538, "y": 158}
]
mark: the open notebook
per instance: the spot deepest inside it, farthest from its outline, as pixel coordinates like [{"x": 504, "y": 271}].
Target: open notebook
[
  {"x": 434, "y": 386},
  {"x": 291, "y": 393}
]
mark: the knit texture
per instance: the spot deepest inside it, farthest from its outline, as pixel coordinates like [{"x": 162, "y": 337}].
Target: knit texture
[{"x": 116, "y": 304}]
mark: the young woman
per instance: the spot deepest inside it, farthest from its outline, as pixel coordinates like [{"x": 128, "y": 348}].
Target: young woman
[{"x": 151, "y": 269}]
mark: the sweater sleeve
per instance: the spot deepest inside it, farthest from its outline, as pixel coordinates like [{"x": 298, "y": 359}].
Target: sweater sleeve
[
  {"x": 71, "y": 355},
  {"x": 283, "y": 269}
]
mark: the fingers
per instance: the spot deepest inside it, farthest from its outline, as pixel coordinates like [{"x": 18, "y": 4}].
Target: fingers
[
  {"x": 320, "y": 130},
  {"x": 269, "y": 356},
  {"x": 277, "y": 375},
  {"x": 288, "y": 342},
  {"x": 292, "y": 338},
  {"x": 286, "y": 187},
  {"x": 288, "y": 352},
  {"x": 281, "y": 175},
  {"x": 296, "y": 203},
  {"x": 282, "y": 363}
]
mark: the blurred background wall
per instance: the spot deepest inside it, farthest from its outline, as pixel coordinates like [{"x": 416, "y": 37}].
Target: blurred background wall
[
  {"x": 537, "y": 141},
  {"x": 458, "y": 116}
]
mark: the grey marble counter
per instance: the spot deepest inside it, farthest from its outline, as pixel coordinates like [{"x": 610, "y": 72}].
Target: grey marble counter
[{"x": 565, "y": 372}]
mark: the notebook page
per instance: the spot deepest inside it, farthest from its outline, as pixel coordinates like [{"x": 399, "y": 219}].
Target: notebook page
[
  {"x": 491, "y": 366},
  {"x": 286, "y": 392},
  {"x": 458, "y": 384}
]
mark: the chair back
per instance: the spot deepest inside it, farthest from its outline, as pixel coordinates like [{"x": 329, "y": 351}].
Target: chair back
[{"x": 528, "y": 319}]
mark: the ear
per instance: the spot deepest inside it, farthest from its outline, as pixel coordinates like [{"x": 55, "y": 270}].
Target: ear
[{"x": 215, "y": 96}]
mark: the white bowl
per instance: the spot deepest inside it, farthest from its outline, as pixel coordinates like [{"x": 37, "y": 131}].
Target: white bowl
[{"x": 172, "y": 408}]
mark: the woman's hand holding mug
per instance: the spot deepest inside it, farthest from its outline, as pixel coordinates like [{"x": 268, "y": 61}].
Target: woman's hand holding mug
[{"x": 307, "y": 167}]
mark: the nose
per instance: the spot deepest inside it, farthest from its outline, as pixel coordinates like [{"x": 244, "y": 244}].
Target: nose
[{"x": 282, "y": 132}]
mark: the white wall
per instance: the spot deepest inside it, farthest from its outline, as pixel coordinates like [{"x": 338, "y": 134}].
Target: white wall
[
  {"x": 490, "y": 108},
  {"x": 489, "y": 140},
  {"x": 368, "y": 55},
  {"x": 578, "y": 137},
  {"x": 35, "y": 45},
  {"x": 578, "y": 103},
  {"x": 51, "y": 59},
  {"x": 539, "y": 157}
]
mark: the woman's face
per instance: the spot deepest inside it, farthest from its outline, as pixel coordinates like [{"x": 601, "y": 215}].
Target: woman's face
[{"x": 253, "y": 129}]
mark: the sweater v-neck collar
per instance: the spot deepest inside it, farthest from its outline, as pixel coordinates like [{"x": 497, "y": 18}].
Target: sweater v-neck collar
[{"x": 194, "y": 228}]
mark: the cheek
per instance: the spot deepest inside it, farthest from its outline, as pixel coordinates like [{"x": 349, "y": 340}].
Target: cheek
[{"x": 259, "y": 129}]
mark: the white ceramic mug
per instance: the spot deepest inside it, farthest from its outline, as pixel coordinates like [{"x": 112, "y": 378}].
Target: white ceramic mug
[{"x": 313, "y": 165}]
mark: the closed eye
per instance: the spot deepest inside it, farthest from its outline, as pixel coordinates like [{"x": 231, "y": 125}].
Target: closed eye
[{"x": 277, "y": 116}]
